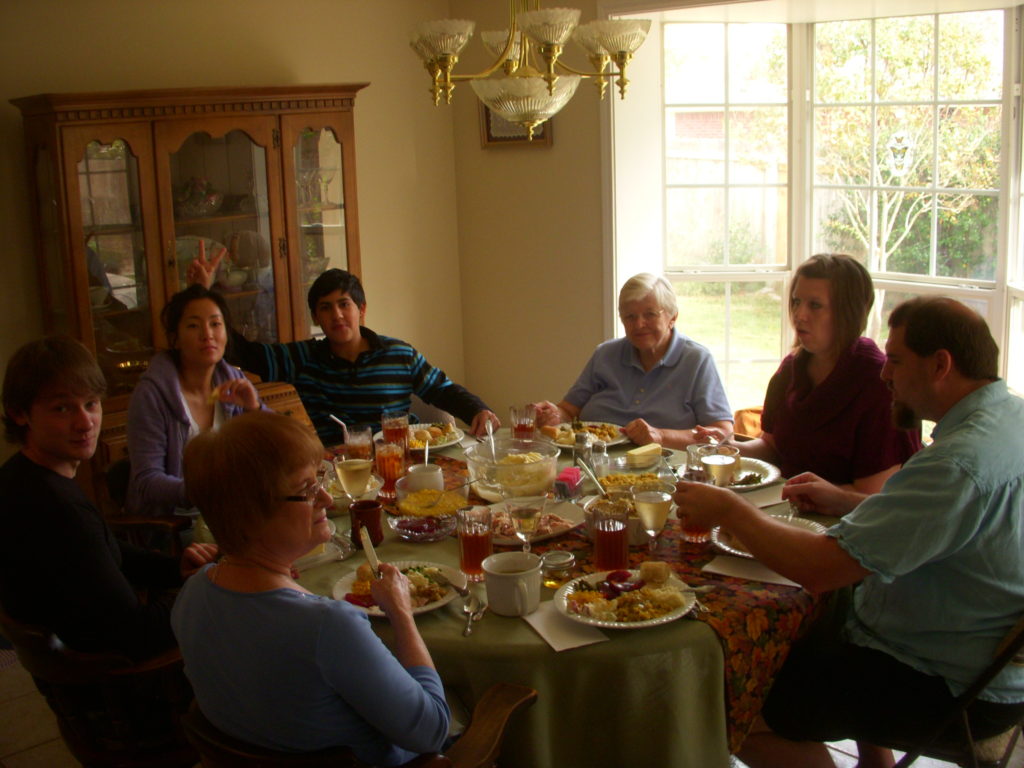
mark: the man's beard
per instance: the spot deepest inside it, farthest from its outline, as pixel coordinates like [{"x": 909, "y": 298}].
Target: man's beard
[{"x": 903, "y": 416}]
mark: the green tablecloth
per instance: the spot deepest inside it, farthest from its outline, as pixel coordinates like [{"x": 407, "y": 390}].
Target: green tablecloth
[{"x": 682, "y": 694}]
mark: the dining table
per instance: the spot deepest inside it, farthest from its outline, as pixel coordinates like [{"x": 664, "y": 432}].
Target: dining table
[{"x": 683, "y": 693}]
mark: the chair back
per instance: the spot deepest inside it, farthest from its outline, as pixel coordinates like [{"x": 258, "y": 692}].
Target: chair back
[{"x": 111, "y": 711}]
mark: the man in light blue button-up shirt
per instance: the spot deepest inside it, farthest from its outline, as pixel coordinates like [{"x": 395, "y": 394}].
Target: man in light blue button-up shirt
[{"x": 938, "y": 556}]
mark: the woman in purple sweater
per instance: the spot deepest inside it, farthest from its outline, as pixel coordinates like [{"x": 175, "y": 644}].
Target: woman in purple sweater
[
  {"x": 827, "y": 410},
  {"x": 186, "y": 390}
]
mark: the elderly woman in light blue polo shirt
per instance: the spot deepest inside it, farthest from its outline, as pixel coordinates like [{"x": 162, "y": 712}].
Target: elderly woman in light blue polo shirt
[{"x": 655, "y": 382}]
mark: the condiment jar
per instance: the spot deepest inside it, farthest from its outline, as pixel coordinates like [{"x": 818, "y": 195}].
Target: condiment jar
[
  {"x": 365, "y": 513},
  {"x": 557, "y": 566}
]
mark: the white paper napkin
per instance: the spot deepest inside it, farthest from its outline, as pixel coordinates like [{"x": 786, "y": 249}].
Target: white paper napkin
[
  {"x": 765, "y": 497},
  {"x": 744, "y": 568},
  {"x": 559, "y": 632}
]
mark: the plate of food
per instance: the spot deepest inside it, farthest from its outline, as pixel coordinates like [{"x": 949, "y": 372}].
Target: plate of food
[
  {"x": 564, "y": 435},
  {"x": 754, "y": 473},
  {"x": 634, "y": 599},
  {"x": 427, "y": 595},
  {"x": 556, "y": 519},
  {"x": 439, "y": 435},
  {"x": 729, "y": 544}
]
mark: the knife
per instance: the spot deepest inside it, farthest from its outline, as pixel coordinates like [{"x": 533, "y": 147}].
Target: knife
[{"x": 371, "y": 555}]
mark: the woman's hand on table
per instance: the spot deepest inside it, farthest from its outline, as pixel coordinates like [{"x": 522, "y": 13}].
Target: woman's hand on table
[
  {"x": 479, "y": 425},
  {"x": 548, "y": 413},
  {"x": 642, "y": 433},
  {"x": 391, "y": 592},
  {"x": 240, "y": 392},
  {"x": 195, "y": 556},
  {"x": 819, "y": 497}
]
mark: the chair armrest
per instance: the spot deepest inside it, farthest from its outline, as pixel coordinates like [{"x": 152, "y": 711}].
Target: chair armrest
[{"x": 481, "y": 743}]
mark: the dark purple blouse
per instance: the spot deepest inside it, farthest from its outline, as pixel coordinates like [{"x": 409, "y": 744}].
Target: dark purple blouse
[{"x": 841, "y": 429}]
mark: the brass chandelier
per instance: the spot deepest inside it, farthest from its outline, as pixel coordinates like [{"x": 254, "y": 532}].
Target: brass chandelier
[{"x": 522, "y": 85}]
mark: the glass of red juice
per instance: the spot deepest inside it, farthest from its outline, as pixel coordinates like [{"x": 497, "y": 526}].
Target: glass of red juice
[
  {"x": 474, "y": 531},
  {"x": 608, "y": 522},
  {"x": 394, "y": 427},
  {"x": 390, "y": 467},
  {"x": 523, "y": 420}
]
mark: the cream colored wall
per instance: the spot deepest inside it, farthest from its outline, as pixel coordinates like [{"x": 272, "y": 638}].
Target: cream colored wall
[
  {"x": 405, "y": 160},
  {"x": 530, "y": 241}
]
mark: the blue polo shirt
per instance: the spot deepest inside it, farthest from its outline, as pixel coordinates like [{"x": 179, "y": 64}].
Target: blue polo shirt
[
  {"x": 680, "y": 392},
  {"x": 944, "y": 540}
]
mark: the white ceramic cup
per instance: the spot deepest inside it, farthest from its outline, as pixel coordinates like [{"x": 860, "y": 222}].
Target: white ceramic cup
[
  {"x": 513, "y": 582},
  {"x": 420, "y": 476}
]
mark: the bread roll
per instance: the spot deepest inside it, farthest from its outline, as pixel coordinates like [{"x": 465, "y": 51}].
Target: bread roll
[{"x": 655, "y": 572}]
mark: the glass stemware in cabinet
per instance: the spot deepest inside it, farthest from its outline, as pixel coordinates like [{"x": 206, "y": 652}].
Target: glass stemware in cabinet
[{"x": 324, "y": 177}]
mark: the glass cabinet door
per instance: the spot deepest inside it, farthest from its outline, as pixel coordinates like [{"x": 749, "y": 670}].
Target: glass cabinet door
[
  {"x": 320, "y": 206},
  {"x": 220, "y": 191},
  {"x": 115, "y": 256}
]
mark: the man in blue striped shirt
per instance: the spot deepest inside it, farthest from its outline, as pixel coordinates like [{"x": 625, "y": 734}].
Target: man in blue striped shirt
[{"x": 353, "y": 373}]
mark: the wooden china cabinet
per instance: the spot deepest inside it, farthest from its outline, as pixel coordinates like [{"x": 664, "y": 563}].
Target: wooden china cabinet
[{"x": 128, "y": 186}]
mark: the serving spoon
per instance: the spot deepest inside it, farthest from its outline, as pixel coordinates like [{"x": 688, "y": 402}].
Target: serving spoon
[{"x": 470, "y": 607}]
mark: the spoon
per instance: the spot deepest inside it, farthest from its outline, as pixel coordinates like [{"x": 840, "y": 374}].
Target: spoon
[
  {"x": 490, "y": 438},
  {"x": 593, "y": 478},
  {"x": 470, "y": 607}
]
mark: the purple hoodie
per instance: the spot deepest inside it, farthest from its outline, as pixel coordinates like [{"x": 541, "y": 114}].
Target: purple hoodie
[{"x": 157, "y": 432}]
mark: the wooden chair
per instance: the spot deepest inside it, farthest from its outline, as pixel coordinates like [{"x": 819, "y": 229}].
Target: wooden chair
[
  {"x": 747, "y": 423},
  {"x": 960, "y": 747},
  {"x": 112, "y": 712},
  {"x": 478, "y": 747}
]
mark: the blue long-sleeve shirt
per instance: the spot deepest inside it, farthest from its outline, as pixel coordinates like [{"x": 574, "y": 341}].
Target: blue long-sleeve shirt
[{"x": 297, "y": 672}]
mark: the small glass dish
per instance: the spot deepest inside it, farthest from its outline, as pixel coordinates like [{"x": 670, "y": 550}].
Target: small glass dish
[{"x": 422, "y": 528}]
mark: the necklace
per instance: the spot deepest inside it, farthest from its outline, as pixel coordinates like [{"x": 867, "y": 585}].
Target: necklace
[{"x": 243, "y": 564}]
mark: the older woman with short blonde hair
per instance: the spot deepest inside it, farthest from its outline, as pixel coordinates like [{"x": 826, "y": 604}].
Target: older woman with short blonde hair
[
  {"x": 656, "y": 382},
  {"x": 272, "y": 664}
]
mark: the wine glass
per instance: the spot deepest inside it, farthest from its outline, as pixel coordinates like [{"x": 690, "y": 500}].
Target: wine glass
[
  {"x": 653, "y": 502},
  {"x": 325, "y": 176},
  {"x": 525, "y": 512}
]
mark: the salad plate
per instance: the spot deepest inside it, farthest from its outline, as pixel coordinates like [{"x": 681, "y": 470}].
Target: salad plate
[{"x": 599, "y": 428}]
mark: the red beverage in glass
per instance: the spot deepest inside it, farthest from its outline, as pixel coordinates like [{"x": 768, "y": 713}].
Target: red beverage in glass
[
  {"x": 695, "y": 534},
  {"x": 473, "y": 548},
  {"x": 390, "y": 466},
  {"x": 523, "y": 430},
  {"x": 611, "y": 545}
]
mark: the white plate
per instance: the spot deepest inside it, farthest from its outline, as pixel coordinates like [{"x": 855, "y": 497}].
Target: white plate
[
  {"x": 731, "y": 546},
  {"x": 566, "y": 509},
  {"x": 769, "y": 474},
  {"x": 620, "y": 440},
  {"x": 455, "y": 576},
  {"x": 562, "y": 604},
  {"x": 453, "y": 438}
]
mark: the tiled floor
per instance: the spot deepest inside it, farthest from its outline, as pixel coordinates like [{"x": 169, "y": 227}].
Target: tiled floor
[{"x": 29, "y": 737}]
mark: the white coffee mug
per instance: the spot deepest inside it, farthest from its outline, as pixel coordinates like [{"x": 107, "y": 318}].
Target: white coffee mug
[
  {"x": 513, "y": 582},
  {"x": 420, "y": 476}
]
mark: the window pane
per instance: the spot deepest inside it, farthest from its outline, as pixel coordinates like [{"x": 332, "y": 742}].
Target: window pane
[
  {"x": 904, "y": 146},
  {"x": 967, "y": 236},
  {"x": 841, "y": 136},
  {"x": 690, "y": 49},
  {"x": 842, "y": 71},
  {"x": 841, "y": 222},
  {"x": 758, "y": 152},
  {"x": 905, "y": 227},
  {"x": 757, "y": 226},
  {"x": 757, "y": 63},
  {"x": 695, "y": 224},
  {"x": 971, "y": 55},
  {"x": 695, "y": 146},
  {"x": 969, "y": 146},
  {"x": 905, "y": 64}
]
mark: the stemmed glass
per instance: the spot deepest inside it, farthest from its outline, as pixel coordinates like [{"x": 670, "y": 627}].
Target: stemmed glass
[
  {"x": 653, "y": 502},
  {"x": 525, "y": 512},
  {"x": 325, "y": 176}
]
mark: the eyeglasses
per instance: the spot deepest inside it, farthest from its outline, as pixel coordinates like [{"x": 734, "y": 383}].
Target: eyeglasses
[
  {"x": 648, "y": 317},
  {"x": 309, "y": 495}
]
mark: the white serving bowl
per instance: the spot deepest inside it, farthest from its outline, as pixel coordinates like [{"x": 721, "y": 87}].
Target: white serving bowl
[{"x": 496, "y": 476}]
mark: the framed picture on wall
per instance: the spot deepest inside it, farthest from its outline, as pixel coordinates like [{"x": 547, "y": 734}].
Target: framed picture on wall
[{"x": 496, "y": 131}]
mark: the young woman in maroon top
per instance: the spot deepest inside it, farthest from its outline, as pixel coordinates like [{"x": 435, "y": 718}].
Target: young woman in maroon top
[{"x": 827, "y": 410}]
